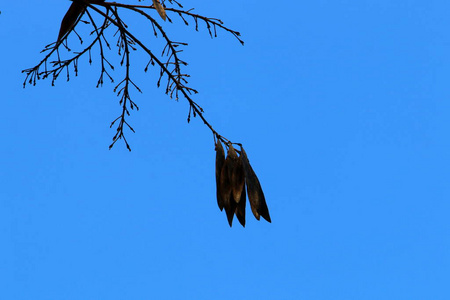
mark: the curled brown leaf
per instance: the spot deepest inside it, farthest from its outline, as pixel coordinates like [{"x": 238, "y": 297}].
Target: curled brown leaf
[{"x": 160, "y": 9}]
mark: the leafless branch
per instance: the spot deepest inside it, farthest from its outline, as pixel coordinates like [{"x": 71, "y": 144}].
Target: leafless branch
[{"x": 170, "y": 68}]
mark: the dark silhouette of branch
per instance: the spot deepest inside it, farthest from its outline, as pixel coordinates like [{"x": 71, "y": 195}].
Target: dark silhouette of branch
[{"x": 234, "y": 172}]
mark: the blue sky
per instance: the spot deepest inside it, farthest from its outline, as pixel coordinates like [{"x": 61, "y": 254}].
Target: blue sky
[{"x": 343, "y": 109}]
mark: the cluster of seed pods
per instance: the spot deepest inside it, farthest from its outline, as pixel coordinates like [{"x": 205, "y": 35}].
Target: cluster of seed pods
[{"x": 235, "y": 176}]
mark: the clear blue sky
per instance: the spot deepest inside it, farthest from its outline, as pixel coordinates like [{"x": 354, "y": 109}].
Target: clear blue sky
[{"x": 343, "y": 108}]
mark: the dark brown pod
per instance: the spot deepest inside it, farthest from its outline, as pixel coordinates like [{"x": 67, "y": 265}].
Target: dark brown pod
[
  {"x": 71, "y": 17},
  {"x": 225, "y": 188},
  {"x": 238, "y": 186},
  {"x": 240, "y": 208},
  {"x": 237, "y": 176},
  {"x": 220, "y": 159},
  {"x": 254, "y": 190}
]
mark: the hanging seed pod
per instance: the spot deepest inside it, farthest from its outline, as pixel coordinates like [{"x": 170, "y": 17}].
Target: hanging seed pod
[
  {"x": 254, "y": 190},
  {"x": 240, "y": 208},
  {"x": 237, "y": 176},
  {"x": 220, "y": 159},
  {"x": 71, "y": 18},
  {"x": 160, "y": 9},
  {"x": 238, "y": 187},
  {"x": 226, "y": 193}
]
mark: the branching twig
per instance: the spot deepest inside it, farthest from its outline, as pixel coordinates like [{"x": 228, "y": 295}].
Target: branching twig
[
  {"x": 234, "y": 173},
  {"x": 171, "y": 68}
]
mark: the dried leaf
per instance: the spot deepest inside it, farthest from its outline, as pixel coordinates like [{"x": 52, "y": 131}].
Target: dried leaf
[
  {"x": 254, "y": 190},
  {"x": 220, "y": 159},
  {"x": 70, "y": 19},
  {"x": 160, "y": 9}
]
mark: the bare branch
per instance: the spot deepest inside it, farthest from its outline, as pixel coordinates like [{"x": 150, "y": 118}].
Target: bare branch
[{"x": 170, "y": 68}]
